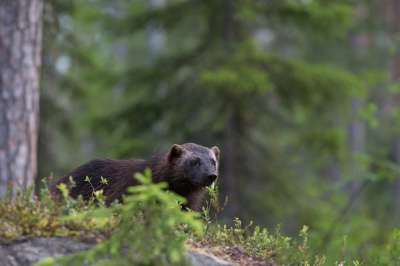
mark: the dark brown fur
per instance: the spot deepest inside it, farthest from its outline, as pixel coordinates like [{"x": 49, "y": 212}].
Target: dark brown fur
[{"x": 187, "y": 168}]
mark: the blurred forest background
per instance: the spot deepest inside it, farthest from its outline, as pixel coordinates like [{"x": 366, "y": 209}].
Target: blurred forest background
[{"x": 301, "y": 97}]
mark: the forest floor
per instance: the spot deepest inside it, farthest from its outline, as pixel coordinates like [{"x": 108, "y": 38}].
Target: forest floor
[{"x": 234, "y": 254}]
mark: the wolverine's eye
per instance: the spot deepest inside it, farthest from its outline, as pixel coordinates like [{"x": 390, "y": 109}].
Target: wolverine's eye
[
  {"x": 195, "y": 162},
  {"x": 213, "y": 162}
]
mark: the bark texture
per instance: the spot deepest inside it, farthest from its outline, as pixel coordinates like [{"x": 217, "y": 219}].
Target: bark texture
[{"x": 20, "y": 59}]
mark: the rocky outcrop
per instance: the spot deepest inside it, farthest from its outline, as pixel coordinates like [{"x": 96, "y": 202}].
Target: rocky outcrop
[{"x": 28, "y": 252}]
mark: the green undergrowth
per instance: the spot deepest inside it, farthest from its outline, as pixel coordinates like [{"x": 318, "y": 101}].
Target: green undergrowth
[
  {"x": 26, "y": 217},
  {"x": 150, "y": 228},
  {"x": 260, "y": 243}
]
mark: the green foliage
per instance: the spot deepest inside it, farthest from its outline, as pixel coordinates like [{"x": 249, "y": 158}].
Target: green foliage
[
  {"x": 327, "y": 18},
  {"x": 27, "y": 217},
  {"x": 369, "y": 114},
  {"x": 150, "y": 228},
  {"x": 147, "y": 229},
  {"x": 390, "y": 255},
  {"x": 343, "y": 262},
  {"x": 286, "y": 250},
  {"x": 214, "y": 205},
  {"x": 260, "y": 243}
]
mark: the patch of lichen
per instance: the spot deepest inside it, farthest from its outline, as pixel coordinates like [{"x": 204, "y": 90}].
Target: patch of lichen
[{"x": 25, "y": 216}]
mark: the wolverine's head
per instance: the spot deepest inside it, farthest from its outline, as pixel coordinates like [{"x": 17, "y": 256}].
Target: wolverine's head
[{"x": 197, "y": 164}]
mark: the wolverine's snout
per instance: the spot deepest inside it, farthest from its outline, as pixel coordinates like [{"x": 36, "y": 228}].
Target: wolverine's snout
[{"x": 212, "y": 176}]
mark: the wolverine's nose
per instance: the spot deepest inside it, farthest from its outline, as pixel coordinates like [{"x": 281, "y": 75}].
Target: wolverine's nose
[{"x": 212, "y": 176}]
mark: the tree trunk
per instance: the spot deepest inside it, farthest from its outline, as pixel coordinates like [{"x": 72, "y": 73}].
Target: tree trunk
[
  {"x": 357, "y": 127},
  {"x": 357, "y": 140},
  {"x": 231, "y": 134},
  {"x": 20, "y": 59},
  {"x": 230, "y": 163},
  {"x": 155, "y": 36},
  {"x": 394, "y": 15}
]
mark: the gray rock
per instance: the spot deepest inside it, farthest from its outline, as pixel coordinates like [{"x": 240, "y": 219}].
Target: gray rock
[
  {"x": 199, "y": 259},
  {"x": 29, "y": 252}
]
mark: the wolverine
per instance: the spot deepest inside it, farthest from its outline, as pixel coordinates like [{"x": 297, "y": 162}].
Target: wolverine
[{"x": 188, "y": 169}]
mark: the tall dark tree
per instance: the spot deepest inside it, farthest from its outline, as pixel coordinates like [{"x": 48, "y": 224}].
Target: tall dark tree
[
  {"x": 394, "y": 22},
  {"x": 20, "y": 60}
]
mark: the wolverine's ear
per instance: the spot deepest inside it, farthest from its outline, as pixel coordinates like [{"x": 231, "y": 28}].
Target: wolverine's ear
[
  {"x": 216, "y": 152},
  {"x": 175, "y": 152}
]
